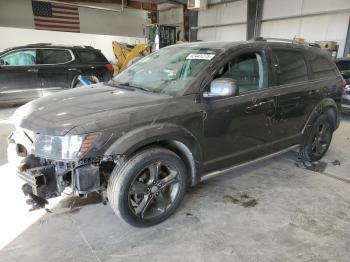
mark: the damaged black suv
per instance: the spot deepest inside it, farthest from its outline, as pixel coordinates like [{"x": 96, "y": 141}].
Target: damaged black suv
[{"x": 179, "y": 116}]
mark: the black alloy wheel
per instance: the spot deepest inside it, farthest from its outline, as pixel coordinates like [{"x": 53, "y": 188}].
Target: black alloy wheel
[
  {"x": 319, "y": 139},
  {"x": 148, "y": 187}
]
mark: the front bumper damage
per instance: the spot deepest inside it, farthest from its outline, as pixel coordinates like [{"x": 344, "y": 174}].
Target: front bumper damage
[{"x": 45, "y": 178}]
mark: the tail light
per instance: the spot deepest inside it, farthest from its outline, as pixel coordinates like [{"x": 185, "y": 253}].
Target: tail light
[{"x": 109, "y": 67}]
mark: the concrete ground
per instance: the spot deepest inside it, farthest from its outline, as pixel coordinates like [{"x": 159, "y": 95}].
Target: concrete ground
[{"x": 277, "y": 210}]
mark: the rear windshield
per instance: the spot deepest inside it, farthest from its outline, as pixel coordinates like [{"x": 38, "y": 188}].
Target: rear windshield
[
  {"x": 89, "y": 56},
  {"x": 343, "y": 65}
]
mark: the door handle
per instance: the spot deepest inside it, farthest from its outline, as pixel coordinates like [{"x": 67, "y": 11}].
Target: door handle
[
  {"x": 72, "y": 69},
  {"x": 313, "y": 92},
  {"x": 262, "y": 105},
  {"x": 34, "y": 70}
]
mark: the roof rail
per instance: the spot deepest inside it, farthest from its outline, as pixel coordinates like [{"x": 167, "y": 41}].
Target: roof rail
[
  {"x": 258, "y": 38},
  {"x": 292, "y": 41},
  {"x": 39, "y": 44},
  {"x": 274, "y": 39}
]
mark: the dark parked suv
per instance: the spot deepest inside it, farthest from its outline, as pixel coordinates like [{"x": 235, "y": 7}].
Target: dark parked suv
[
  {"x": 32, "y": 71},
  {"x": 344, "y": 68},
  {"x": 181, "y": 115}
]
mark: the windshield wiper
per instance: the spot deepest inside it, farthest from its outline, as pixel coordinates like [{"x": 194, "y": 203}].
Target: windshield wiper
[
  {"x": 127, "y": 84},
  {"x": 116, "y": 84}
]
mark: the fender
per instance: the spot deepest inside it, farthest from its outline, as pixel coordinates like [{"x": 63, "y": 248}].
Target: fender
[
  {"x": 320, "y": 108},
  {"x": 173, "y": 134}
]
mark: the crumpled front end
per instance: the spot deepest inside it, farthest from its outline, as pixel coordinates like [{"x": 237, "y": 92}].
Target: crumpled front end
[
  {"x": 46, "y": 177},
  {"x": 49, "y": 178}
]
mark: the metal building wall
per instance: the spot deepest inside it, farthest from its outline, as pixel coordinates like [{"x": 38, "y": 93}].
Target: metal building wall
[
  {"x": 310, "y": 19},
  {"x": 223, "y": 21}
]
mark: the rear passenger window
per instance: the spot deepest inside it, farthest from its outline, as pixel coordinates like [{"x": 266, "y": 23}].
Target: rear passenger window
[
  {"x": 290, "y": 67},
  {"x": 91, "y": 56},
  {"x": 54, "y": 56},
  {"x": 322, "y": 67}
]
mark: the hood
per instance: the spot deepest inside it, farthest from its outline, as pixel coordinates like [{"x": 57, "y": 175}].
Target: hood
[{"x": 62, "y": 112}]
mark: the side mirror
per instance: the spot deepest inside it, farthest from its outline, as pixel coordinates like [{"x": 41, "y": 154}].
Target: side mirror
[
  {"x": 222, "y": 87},
  {"x": 2, "y": 62}
]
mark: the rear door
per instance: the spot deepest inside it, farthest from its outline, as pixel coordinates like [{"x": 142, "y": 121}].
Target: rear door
[
  {"x": 296, "y": 95},
  {"x": 53, "y": 69},
  {"x": 19, "y": 76}
]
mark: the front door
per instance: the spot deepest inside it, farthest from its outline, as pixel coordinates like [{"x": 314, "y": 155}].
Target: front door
[
  {"x": 237, "y": 128},
  {"x": 19, "y": 76}
]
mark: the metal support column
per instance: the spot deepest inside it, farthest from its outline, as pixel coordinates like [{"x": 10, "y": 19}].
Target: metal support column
[
  {"x": 254, "y": 18},
  {"x": 347, "y": 42},
  {"x": 193, "y": 23}
]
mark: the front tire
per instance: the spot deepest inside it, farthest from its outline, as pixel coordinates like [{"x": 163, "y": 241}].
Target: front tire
[
  {"x": 148, "y": 187},
  {"x": 319, "y": 139}
]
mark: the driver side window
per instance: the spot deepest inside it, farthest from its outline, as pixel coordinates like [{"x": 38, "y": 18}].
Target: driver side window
[
  {"x": 248, "y": 70},
  {"x": 20, "y": 58}
]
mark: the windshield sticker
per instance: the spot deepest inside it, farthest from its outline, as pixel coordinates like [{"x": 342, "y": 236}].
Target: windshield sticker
[{"x": 200, "y": 56}]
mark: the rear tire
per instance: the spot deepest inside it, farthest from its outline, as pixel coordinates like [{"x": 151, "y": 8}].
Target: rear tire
[
  {"x": 148, "y": 187},
  {"x": 319, "y": 139}
]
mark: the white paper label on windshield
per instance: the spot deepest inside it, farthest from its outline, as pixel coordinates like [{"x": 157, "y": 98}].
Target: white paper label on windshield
[{"x": 200, "y": 56}]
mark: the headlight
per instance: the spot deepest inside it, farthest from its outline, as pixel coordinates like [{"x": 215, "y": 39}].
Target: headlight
[{"x": 63, "y": 147}]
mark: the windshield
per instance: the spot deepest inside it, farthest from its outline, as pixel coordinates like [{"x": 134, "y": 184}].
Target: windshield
[
  {"x": 168, "y": 70},
  {"x": 343, "y": 65}
]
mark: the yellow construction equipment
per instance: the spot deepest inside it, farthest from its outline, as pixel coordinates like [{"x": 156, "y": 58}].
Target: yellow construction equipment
[
  {"x": 126, "y": 54},
  {"x": 157, "y": 35}
]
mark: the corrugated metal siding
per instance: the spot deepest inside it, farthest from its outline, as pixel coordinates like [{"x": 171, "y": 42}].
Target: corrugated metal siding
[
  {"x": 332, "y": 27},
  {"x": 234, "y": 12}
]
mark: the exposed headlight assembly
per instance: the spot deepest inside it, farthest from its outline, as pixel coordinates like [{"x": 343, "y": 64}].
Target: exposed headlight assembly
[{"x": 68, "y": 147}]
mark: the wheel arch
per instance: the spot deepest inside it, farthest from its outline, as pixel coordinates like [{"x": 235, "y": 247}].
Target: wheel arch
[
  {"x": 170, "y": 136},
  {"x": 326, "y": 106}
]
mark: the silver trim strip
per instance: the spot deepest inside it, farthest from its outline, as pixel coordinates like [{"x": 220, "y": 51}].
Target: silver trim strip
[{"x": 223, "y": 171}]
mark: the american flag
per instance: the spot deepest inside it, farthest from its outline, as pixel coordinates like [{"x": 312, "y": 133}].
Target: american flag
[{"x": 56, "y": 17}]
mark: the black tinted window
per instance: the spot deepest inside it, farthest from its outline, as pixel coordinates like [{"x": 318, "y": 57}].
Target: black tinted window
[
  {"x": 322, "y": 67},
  {"x": 91, "y": 56},
  {"x": 291, "y": 66},
  {"x": 54, "y": 56},
  {"x": 343, "y": 65},
  {"x": 247, "y": 70}
]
